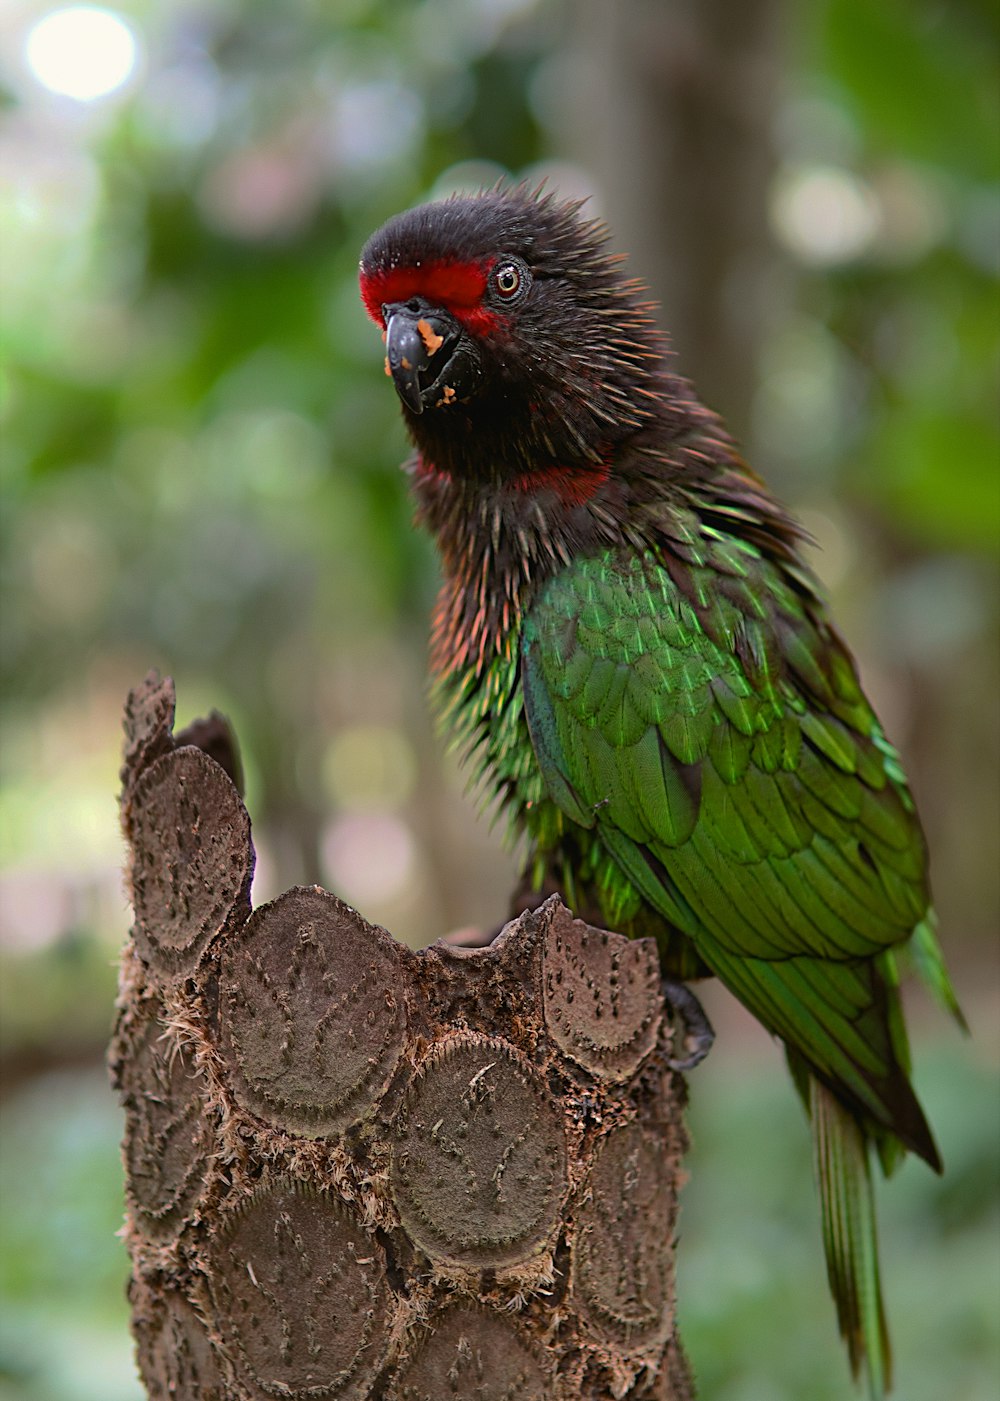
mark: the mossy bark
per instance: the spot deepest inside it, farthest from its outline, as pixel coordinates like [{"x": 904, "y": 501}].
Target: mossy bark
[{"x": 359, "y": 1171}]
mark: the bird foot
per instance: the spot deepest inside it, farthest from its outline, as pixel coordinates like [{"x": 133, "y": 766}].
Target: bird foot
[{"x": 692, "y": 1031}]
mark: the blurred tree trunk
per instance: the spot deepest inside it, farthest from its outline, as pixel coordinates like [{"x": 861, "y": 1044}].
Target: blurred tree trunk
[
  {"x": 673, "y": 110},
  {"x": 359, "y": 1171}
]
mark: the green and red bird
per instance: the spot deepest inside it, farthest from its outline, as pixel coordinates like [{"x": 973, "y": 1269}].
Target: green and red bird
[{"x": 629, "y": 644}]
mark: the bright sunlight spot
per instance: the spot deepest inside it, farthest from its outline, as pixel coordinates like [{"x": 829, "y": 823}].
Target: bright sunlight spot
[{"x": 81, "y": 51}]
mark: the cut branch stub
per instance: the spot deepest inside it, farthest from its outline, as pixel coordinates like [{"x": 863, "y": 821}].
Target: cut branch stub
[
  {"x": 192, "y": 859},
  {"x": 358, "y": 1171},
  {"x": 299, "y": 1294},
  {"x": 470, "y": 1352},
  {"x": 602, "y": 996},
  {"x": 479, "y": 1155},
  {"x": 168, "y": 1136},
  {"x": 148, "y": 722},
  {"x": 622, "y": 1266},
  {"x": 311, "y": 1012}
]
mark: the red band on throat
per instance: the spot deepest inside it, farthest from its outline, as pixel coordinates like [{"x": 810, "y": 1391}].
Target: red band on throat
[{"x": 572, "y": 485}]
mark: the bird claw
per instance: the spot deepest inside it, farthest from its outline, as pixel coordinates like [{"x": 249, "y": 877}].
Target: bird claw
[{"x": 690, "y": 1026}]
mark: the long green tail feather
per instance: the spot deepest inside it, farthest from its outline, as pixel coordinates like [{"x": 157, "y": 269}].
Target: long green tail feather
[{"x": 847, "y": 1201}]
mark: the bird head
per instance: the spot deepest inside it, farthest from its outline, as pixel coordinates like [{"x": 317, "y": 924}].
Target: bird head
[{"x": 507, "y": 323}]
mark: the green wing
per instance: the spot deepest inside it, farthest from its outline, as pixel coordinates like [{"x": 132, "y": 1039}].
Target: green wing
[{"x": 708, "y": 725}]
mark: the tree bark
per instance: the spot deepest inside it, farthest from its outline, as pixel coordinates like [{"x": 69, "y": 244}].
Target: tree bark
[{"x": 359, "y": 1171}]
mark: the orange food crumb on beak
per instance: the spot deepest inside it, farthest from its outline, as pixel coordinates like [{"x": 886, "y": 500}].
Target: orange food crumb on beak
[{"x": 431, "y": 340}]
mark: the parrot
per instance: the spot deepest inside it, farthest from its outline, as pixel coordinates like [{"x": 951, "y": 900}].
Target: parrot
[{"x": 641, "y": 670}]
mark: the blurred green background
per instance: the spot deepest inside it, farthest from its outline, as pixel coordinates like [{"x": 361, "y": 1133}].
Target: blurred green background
[{"x": 200, "y": 472}]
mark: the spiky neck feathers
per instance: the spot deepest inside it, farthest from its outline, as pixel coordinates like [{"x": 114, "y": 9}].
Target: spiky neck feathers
[{"x": 499, "y": 546}]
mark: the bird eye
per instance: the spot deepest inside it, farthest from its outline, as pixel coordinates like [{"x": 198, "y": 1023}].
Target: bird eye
[{"x": 510, "y": 280}]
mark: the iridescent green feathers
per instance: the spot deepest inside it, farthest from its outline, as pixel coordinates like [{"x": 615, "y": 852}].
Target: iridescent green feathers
[{"x": 761, "y": 818}]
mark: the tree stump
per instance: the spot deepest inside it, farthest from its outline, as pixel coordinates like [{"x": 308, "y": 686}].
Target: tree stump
[{"x": 359, "y": 1171}]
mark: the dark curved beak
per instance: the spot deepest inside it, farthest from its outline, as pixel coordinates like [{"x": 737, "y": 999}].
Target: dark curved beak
[{"x": 419, "y": 347}]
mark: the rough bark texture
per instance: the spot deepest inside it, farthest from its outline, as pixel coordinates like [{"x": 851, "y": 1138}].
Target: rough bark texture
[{"x": 359, "y": 1171}]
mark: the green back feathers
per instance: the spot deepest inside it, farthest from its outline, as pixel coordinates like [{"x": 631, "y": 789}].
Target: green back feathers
[{"x": 714, "y": 736}]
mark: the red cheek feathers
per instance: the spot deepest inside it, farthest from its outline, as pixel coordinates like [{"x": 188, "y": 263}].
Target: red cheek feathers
[{"x": 457, "y": 287}]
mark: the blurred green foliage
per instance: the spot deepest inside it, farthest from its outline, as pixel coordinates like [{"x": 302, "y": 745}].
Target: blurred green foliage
[
  {"x": 63, "y": 1326},
  {"x": 200, "y": 472},
  {"x": 919, "y": 86}
]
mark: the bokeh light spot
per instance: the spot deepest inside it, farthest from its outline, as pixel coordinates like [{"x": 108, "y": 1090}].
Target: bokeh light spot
[
  {"x": 825, "y": 214},
  {"x": 370, "y": 767},
  {"x": 370, "y": 857},
  {"x": 82, "y": 51}
]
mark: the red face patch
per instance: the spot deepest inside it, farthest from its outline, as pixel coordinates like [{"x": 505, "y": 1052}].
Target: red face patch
[{"x": 457, "y": 287}]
